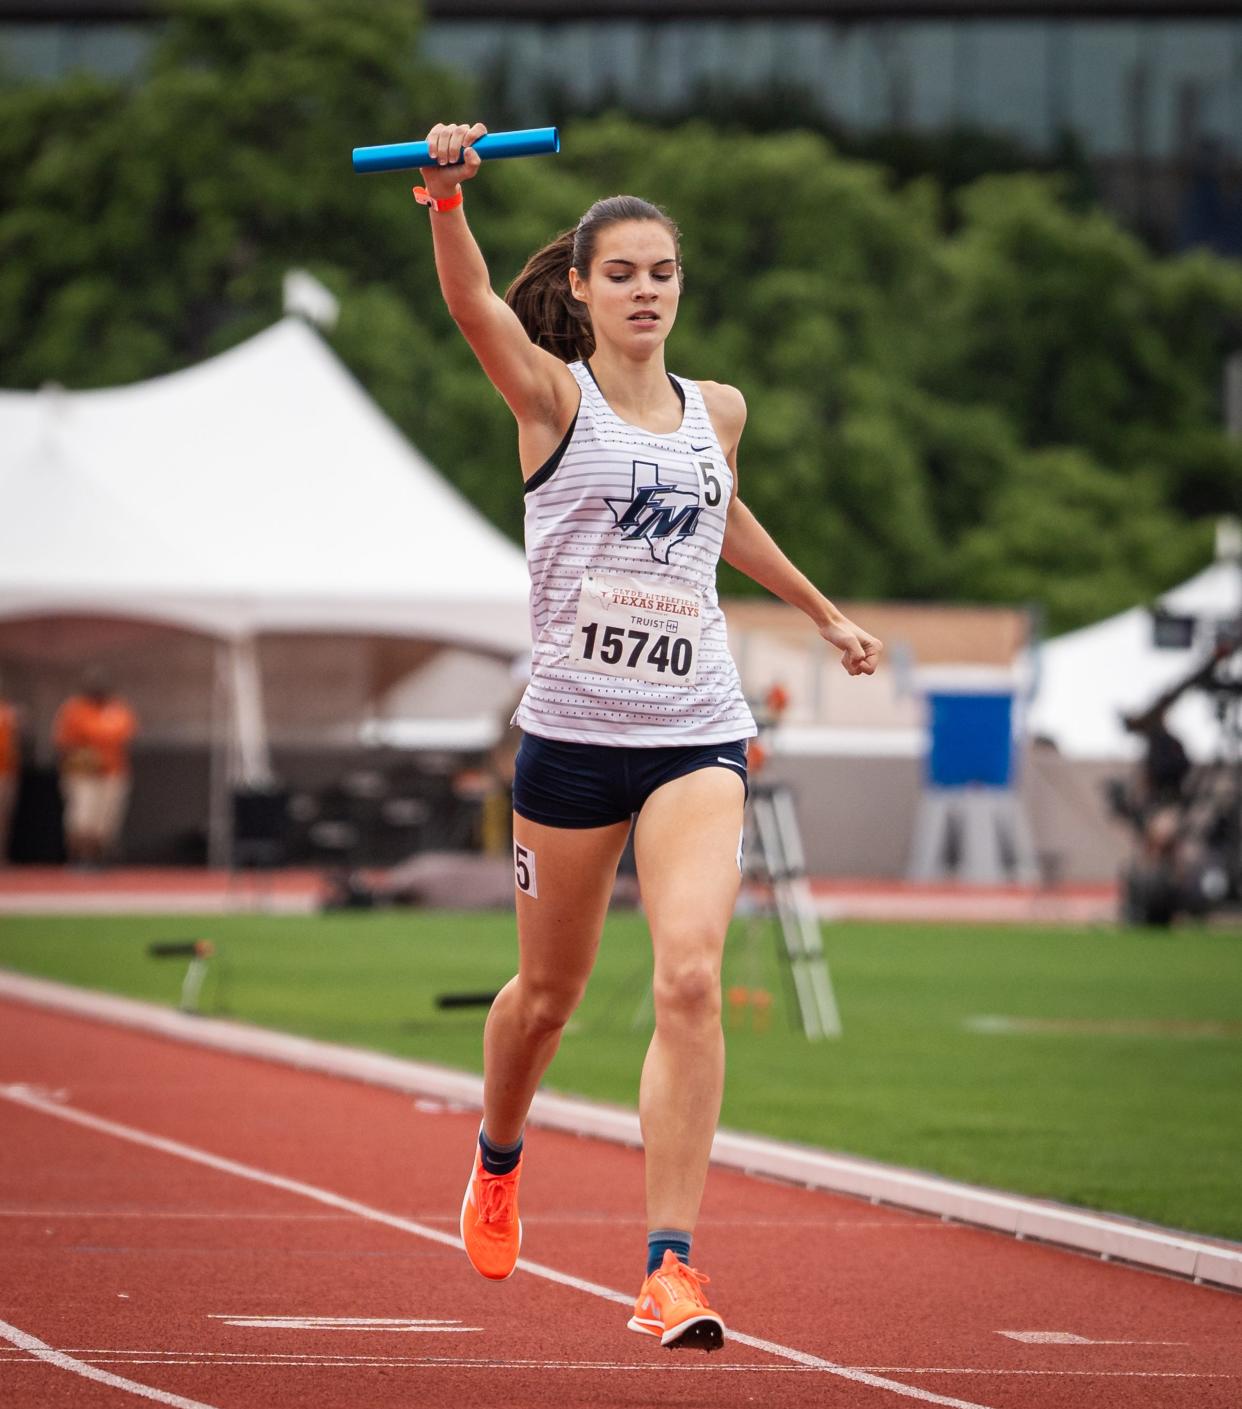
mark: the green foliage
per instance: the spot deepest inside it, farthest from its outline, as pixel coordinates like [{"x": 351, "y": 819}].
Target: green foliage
[
  {"x": 1076, "y": 331},
  {"x": 147, "y": 226},
  {"x": 992, "y": 394},
  {"x": 1064, "y": 533}
]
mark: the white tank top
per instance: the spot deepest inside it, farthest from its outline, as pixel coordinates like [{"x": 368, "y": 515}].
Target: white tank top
[{"x": 619, "y": 502}]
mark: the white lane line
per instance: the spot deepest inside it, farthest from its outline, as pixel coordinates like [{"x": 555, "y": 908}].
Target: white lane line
[
  {"x": 23, "y": 1096},
  {"x": 309, "y": 1323},
  {"x": 240, "y": 1318},
  {"x": 37, "y": 1350},
  {"x": 1054, "y": 1374},
  {"x": 1070, "y": 1338},
  {"x": 433, "y": 1362},
  {"x": 277, "y": 1359}
]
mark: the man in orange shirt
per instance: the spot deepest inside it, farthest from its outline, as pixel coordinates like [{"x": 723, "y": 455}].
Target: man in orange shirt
[
  {"x": 92, "y": 732},
  {"x": 9, "y": 769}
]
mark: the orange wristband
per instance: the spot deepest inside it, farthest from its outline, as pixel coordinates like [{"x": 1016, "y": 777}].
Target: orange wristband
[{"x": 424, "y": 197}]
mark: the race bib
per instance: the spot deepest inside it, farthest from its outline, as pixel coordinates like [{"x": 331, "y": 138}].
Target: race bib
[{"x": 638, "y": 630}]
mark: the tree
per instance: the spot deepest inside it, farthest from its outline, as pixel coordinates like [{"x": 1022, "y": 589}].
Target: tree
[
  {"x": 1083, "y": 543},
  {"x": 145, "y": 226}
]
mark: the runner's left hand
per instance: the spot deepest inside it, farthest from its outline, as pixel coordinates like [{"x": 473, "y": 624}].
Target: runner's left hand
[{"x": 860, "y": 651}]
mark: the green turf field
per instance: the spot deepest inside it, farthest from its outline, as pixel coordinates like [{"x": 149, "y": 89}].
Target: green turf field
[{"x": 1124, "y": 1094}]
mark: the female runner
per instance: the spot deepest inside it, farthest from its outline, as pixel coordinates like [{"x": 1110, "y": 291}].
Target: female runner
[{"x": 634, "y": 708}]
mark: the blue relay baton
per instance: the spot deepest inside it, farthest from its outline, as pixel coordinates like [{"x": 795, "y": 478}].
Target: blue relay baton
[{"x": 403, "y": 156}]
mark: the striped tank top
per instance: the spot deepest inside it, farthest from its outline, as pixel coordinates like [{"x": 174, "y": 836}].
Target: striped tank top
[{"x": 617, "y": 504}]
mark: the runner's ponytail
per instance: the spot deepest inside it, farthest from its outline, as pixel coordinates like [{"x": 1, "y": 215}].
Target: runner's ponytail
[{"x": 553, "y": 318}]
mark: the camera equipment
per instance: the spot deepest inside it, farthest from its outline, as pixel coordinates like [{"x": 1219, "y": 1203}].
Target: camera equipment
[{"x": 1186, "y": 818}]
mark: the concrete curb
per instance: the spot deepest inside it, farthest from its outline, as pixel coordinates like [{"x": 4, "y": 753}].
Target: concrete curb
[{"x": 1107, "y": 1236}]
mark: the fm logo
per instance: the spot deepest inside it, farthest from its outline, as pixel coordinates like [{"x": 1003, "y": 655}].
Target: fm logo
[{"x": 660, "y": 514}]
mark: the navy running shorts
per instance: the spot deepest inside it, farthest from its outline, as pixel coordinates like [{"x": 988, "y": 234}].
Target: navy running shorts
[{"x": 596, "y": 785}]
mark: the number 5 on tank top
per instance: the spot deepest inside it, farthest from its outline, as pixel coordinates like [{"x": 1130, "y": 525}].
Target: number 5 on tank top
[{"x": 638, "y": 630}]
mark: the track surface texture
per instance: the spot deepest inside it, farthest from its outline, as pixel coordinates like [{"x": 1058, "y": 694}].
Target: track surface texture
[{"x": 189, "y": 1228}]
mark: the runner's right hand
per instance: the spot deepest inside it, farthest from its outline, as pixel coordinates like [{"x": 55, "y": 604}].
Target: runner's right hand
[{"x": 446, "y": 141}]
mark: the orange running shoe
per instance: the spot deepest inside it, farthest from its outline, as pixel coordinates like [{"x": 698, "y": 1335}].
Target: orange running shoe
[
  {"x": 671, "y": 1306},
  {"x": 490, "y": 1227}
]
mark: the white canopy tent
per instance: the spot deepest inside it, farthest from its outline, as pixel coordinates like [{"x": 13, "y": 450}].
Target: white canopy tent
[
  {"x": 261, "y": 492},
  {"x": 1088, "y": 679}
]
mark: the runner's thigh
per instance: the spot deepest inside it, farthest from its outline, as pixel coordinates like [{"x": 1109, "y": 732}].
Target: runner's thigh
[
  {"x": 686, "y": 846},
  {"x": 563, "y": 882}
]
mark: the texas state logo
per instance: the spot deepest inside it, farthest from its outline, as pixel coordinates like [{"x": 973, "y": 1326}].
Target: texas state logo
[{"x": 659, "y": 514}]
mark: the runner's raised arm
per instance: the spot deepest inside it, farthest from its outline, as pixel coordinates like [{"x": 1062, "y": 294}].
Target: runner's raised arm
[{"x": 537, "y": 386}]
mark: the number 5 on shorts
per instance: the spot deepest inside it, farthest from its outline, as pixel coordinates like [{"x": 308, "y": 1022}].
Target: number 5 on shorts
[{"x": 524, "y": 870}]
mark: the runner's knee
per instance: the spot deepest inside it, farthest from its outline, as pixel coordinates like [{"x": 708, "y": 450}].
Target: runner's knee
[
  {"x": 546, "y": 1008},
  {"x": 687, "y": 992}
]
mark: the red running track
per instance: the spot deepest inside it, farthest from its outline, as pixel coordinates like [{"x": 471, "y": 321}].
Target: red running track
[{"x": 206, "y": 1230}]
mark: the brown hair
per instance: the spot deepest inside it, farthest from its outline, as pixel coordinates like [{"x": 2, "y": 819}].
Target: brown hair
[{"x": 553, "y": 318}]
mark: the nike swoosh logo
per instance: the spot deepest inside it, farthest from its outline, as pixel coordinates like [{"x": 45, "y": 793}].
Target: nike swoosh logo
[{"x": 698, "y": 449}]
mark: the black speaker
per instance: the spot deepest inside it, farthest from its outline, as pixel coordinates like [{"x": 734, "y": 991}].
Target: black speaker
[
  {"x": 260, "y": 827},
  {"x": 36, "y": 834}
]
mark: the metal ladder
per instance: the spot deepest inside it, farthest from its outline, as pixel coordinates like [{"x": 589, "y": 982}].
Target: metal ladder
[{"x": 782, "y": 865}]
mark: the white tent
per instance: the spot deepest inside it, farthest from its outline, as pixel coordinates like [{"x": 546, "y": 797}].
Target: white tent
[
  {"x": 260, "y": 493},
  {"x": 1088, "y": 679}
]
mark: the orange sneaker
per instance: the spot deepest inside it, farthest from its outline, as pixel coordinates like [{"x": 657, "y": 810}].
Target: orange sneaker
[
  {"x": 671, "y": 1306},
  {"x": 490, "y": 1227}
]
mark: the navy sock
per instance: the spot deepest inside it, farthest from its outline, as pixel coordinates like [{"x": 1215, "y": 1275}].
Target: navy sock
[
  {"x": 499, "y": 1159},
  {"x": 663, "y": 1240}
]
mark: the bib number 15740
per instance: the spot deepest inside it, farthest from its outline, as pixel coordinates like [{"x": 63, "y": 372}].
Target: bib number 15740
[
  {"x": 634, "y": 649},
  {"x": 639, "y": 630}
]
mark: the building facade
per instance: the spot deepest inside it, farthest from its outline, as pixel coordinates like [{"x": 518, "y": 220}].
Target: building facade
[{"x": 1147, "y": 95}]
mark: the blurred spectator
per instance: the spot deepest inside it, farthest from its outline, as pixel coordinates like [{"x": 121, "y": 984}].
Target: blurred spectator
[
  {"x": 92, "y": 733},
  {"x": 9, "y": 768}
]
